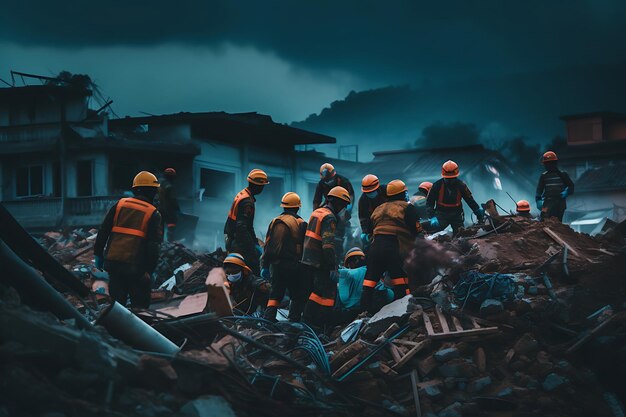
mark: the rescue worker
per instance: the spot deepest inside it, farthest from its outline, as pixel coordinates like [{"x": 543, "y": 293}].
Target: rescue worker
[
  {"x": 419, "y": 199},
  {"x": 553, "y": 188},
  {"x": 168, "y": 204},
  {"x": 281, "y": 259},
  {"x": 319, "y": 255},
  {"x": 249, "y": 292},
  {"x": 444, "y": 200},
  {"x": 239, "y": 228},
  {"x": 127, "y": 245},
  {"x": 522, "y": 209},
  {"x": 396, "y": 225},
  {"x": 328, "y": 180},
  {"x": 350, "y": 287},
  {"x": 374, "y": 194}
]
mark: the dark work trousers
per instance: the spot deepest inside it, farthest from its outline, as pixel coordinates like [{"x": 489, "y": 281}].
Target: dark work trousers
[
  {"x": 454, "y": 218},
  {"x": 384, "y": 256},
  {"x": 319, "y": 307},
  {"x": 553, "y": 208},
  {"x": 287, "y": 277},
  {"x": 137, "y": 287}
]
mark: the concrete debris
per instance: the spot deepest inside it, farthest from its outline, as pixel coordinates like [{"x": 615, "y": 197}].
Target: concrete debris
[{"x": 545, "y": 335}]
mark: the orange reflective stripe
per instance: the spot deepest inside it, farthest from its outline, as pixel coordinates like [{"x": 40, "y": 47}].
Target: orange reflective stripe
[
  {"x": 370, "y": 284},
  {"x": 232, "y": 214},
  {"x": 326, "y": 302},
  {"x": 440, "y": 198},
  {"x": 400, "y": 281},
  {"x": 273, "y": 303},
  {"x": 313, "y": 235},
  {"x": 134, "y": 204}
]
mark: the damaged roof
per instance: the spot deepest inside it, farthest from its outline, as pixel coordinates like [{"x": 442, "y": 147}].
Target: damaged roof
[
  {"x": 609, "y": 178},
  {"x": 230, "y": 127}
]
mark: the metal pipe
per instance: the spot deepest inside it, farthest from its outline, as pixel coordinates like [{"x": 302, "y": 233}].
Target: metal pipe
[
  {"x": 34, "y": 290},
  {"x": 27, "y": 248},
  {"x": 122, "y": 324}
]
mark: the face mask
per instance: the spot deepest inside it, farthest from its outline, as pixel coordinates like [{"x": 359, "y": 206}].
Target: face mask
[
  {"x": 406, "y": 196},
  {"x": 234, "y": 278},
  {"x": 372, "y": 195}
]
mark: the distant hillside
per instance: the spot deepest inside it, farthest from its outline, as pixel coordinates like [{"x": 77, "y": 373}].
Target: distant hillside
[{"x": 526, "y": 104}]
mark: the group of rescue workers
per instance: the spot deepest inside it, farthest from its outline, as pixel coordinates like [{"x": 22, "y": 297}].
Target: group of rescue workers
[{"x": 305, "y": 259}]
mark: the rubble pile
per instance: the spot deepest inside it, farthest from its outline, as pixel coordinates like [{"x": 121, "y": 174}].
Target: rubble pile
[{"x": 516, "y": 318}]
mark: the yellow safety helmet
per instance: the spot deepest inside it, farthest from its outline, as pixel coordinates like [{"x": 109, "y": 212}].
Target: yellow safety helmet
[
  {"x": 396, "y": 187},
  {"x": 236, "y": 259},
  {"x": 258, "y": 177},
  {"x": 327, "y": 171},
  {"x": 370, "y": 183},
  {"x": 146, "y": 179},
  {"x": 353, "y": 252},
  {"x": 341, "y": 193},
  {"x": 291, "y": 200}
]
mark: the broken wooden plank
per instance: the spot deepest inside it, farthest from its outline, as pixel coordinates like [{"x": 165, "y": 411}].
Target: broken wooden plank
[
  {"x": 483, "y": 331},
  {"x": 560, "y": 241},
  {"x": 409, "y": 355},
  {"x": 457, "y": 323},
  {"x": 442, "y": 320},
  {"x": 395, "y": 354},
  {"x": 414, "y": 381},
  {"x": 428, "y": 324},
  {"x": 480, "y": 359}
]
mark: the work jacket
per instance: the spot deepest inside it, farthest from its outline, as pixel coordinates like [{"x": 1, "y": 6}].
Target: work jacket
[
  {"x": 285, "y": 240},
  {"x": 319, "y": 240},
  {"x": 397, "y": 218},
  {"x": 168, "y": 203},
  {"x": 551, "y": 184},
  {"x": 322, "y": 190},
  {"x": 239, "y": 227},
  {"x": 368, "y": 205},
  {"x": 250, "y": 293},
  {"x": 130, "y": 236},
  {"x": 446, "y": 197}
]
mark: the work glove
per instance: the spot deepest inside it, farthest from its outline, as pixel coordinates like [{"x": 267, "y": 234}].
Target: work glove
[
  {"x": 99, "y": 262},
  {"x": 349, "y": 208},
  {"x": 365, "y": 238},
  {"x": 265, "y": 273},
  {"x": 565, "y": 193},
  {"x": 480, "y": 214},
  {"x": 539, "y": 204},
  {"x": 259, "y": 250},
  {"x": 434, "y": 222}
]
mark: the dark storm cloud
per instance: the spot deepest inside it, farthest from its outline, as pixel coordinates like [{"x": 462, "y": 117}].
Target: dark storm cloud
[{"x": 385, "y": 40}]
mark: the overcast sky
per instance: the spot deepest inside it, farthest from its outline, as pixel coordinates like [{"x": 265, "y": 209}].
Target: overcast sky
[{"x": 292, "y": 58}]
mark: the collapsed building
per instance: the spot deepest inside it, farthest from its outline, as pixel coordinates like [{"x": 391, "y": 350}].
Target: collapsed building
[{"x": 514, "y": 318}]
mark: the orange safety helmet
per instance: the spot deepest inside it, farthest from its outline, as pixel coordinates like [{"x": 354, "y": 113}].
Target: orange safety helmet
[
  {"x": 340, "y": 193},
  {"x": 353, "y": 252},
  {"x": 236, "y": 259},
  {"x": 327, "y": 171},
  {"x": 426, "y": 186},
  {"x": 523, "y": 206},
  {"x": 291, "y": 200},
  {"x": 450, "y": 169},
  {"x": 258, "y": 177},
  {"x": 549, "y": 156},
  {"x": 370, "y": 183},
  {"x": 170, "y": 171},
  {"x": 396, "y": 187}
]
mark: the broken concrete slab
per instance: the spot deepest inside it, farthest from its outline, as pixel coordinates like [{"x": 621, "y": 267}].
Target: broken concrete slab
[
  {"x": 553, "y": 381},
  {"x": 391, "y": 313},
  {"x": 444, "y": 355},
  {"x": 479, "y": 384},
  {"x": 208, "y": 406}
]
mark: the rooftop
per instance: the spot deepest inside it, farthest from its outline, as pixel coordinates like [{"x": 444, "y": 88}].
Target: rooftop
[
  {"x": 231, "y": 127},
  {"x": 34, "y": 91},
  {"x": 609, "y": 178},
  {"x": 604, "y": 114}
]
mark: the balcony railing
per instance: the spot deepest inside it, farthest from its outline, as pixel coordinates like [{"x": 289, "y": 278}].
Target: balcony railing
[{"x": 46, "y": 212}]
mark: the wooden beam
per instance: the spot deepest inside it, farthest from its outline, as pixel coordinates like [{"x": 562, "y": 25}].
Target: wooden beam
[{"x": 560, "y": 241}]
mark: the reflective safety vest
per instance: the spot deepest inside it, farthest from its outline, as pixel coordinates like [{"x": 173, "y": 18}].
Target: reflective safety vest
[
  {"x": 129, "y": 231},
  {"x": 229, "y": 228},
  {"x": 294, "y": 225},
  {"x": 442, "y": 201},
  {"x": 389, "y": 219},
  {"x": 313, "y": 250}
]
